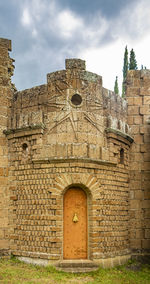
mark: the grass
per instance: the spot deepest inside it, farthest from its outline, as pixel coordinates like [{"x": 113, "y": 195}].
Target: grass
[{"x": 15, "y": 272}]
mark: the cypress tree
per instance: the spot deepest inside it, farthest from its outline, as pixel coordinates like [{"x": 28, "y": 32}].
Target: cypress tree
[
  {"x": 125, "y": 64},
  {"x": 132, "y": 61},
  {"x": 116, "y": 89},
  {"x": 125, "y": 70}
]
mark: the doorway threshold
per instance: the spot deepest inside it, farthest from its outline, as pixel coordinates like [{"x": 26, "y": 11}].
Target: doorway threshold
[{"x": 76, "y": 265}]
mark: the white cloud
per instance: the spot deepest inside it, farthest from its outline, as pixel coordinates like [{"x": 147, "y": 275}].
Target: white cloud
[
  {"x": 133, "y": 22},
  {"x": 34, "y": 32},
  {"x": 26, "y": 18},
  {"x": 62, "y": 23},
  {"x": 68, "y": 23},
  {"x": 94, "y": 31}
]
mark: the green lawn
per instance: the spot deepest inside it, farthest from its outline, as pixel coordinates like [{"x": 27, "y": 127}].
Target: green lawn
[{"x": 15, "y": 272}]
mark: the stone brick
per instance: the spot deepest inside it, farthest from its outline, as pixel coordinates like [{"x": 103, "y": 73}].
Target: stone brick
[
  {"x": 145, "y": 129},
  {"x": 138, "y": 194},
  {"x": 130, "y": 119},
  {"x": 146, "y": 138},
  {"x": 144, "y": 91},
  {"x": 4, "y": 244},
  {"x": 131, "y": 101},
  {"x": 138, "y": 138},
  {"x": 134, "y": 110},
  {"x": 135, "y": 129},
  {"x": 145, "y": 166},
  {"x": 147, "y": 194},
  {"x": 1, "y": 171},
  {"x": 137, "y": 101},
  {"x": 145, "y": 204},
  {"x": 146, "y": 213},
  {"x": 146, "y": 157},
  {"x": 138, "y": 120},
  {"x": 136, "y": 244},
  {"x": 145, "y": 110},
  {"x": 144, "y": 148},
  {"x": 146, "y": 244},
  {"x": 135, "y": 204},
  {"x": 146, "y": 100},
  {"x": 139, "y": 234},
  {"x": 147, "y": 233},
  {"x": 145, "y": 186}
]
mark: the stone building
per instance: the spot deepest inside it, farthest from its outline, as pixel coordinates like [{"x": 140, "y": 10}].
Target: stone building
[{"x": 74, "y": 167}]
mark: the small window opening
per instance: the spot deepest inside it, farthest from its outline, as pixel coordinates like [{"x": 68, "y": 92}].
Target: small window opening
[
  {"x": 76, "y": 99},
  {"x": 122, "y": 156},
  {"x": 119, "y": 124},
  {"x": 24, "y": 147},
  {"x": 126, "y": 128}
]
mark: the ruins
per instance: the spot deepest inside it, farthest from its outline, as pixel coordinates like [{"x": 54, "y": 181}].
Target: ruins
[{"x": 74, "y": 167}]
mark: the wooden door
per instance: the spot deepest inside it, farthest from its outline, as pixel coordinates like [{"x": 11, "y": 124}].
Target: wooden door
[{"x": 75, "y": 224}]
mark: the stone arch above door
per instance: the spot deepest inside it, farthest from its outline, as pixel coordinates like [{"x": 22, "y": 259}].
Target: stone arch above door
[{"x": 86, "y": 181}]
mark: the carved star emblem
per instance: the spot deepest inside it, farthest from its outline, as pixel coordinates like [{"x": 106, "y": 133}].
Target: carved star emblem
[{"x": 72, "y": 116}]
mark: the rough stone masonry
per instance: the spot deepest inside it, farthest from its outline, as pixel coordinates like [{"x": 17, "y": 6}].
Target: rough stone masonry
[{"x": 73, "y": 140}]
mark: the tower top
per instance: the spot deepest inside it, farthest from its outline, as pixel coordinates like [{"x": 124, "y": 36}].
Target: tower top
[
  {"x": 6, "y": 43},
  {"x": 75, "y": 63}
]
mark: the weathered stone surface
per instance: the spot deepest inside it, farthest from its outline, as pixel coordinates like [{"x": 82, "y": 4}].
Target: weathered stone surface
[
  {"x": 140, "y": 186},
  {"x": 6, "y": 70},
  {"x": 73, "y": 132}
]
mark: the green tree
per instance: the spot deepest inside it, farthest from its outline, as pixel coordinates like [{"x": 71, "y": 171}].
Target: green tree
[
  {"x": 116, "y": 89},
  {"x": 132, "y": 60},
  {"x": 125, "y": 70},
  {"x": 125, "y": 64}
]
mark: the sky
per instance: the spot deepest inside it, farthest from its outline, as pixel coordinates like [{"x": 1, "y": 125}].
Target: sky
[{"x": 46, "y": 32}]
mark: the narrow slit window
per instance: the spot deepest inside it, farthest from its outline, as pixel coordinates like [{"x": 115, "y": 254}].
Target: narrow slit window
[
  {"x": 122, "y": 156},
  {"x": 25, "y": 148}
]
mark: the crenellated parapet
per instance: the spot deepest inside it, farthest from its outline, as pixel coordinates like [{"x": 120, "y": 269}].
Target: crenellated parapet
[{"x": 28, "y": 108}]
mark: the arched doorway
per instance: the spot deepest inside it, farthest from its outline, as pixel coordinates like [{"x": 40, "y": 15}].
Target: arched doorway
[{"x": 75, "y": 224}]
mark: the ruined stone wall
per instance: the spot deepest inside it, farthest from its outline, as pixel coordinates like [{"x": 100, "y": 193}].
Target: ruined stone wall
[
  {"x": 6, "y": 70},
  {"x": 138, "y": 97},
  {"x": 28, "y": 108},
  {"x": 115, "y": 111}
]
